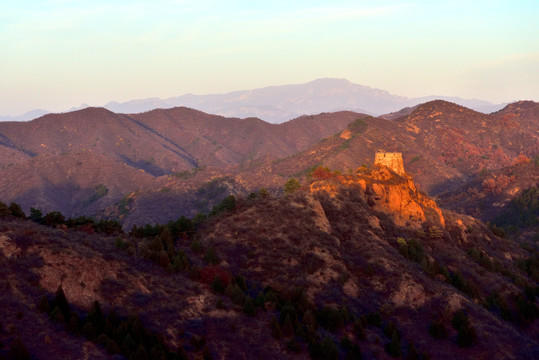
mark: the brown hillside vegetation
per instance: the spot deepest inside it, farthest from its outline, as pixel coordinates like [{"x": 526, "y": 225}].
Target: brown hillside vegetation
[
  {"x": 344, "y": 243},
  {"x": 356, "y": 263},
  {"x": 35, "y": 261},
  {"x": 507, "y": 197},
  {"x": 75, "y": 184},
  {"x": 63, "y": 157},
  {"x": 164, "y": 141}
]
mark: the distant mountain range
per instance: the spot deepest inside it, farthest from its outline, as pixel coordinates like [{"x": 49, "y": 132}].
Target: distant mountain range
[
  {"x": 30, "y": 115},
  {"x": 276, "y": 104}
]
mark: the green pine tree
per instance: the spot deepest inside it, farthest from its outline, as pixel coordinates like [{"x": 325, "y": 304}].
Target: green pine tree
[{"x": 395, "y": 346}]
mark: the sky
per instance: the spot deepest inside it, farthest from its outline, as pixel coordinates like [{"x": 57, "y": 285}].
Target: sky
[{"x": 58, "y": 54}]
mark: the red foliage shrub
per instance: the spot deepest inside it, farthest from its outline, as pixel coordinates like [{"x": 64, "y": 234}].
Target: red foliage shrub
[
  {"x": 87, "y": 228},
  {"x": 521, "y": 160},
  {"x": 497, "y": 183},
  {"x": 489, "y": 185},
  {"x": 321, "y": 173},
  {"x": 210, "y": 272}
]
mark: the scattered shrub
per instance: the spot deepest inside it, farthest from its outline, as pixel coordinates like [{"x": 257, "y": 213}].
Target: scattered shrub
[
  {"x": 496, "y": 230},
  {"x": 412, "y": 353},
  {"x": 329, "y": 349},
  {"x": 527, "y": 311},
  {"x": 36, "y": 215},
  {"x": 391, "y": 329},
  {"x": 276, "y": 330},
  {"x": 354, "y": 353},
  {"x": 325, "y": 349},
  {"x": 263, "y": 193},
  {"x": 394, "y": 347},
  {"x": 466, "y": 336},
  {"x": 127, "y": 336},
  {"x": 293, "y": 345},
  {"x": 458, "y": 281},
  {"x": 18, "y": 351},
  {"x": 413, "y": 250},
  {"x": 120, "y": 244},
  {"x": 108, "y": 227},
  {"x": 4, "y": 210},
  {"x": 288, "y": 326},
  {"x": 459, "y": 319},
  {"x": 437, "y": 330},
  {"x": 209, "y": 273},
  {"x": 359, "y": 330},
  {"x": 496, "y": 304},
  {"x": 374, "y": 318},
  {"x": 211, "y": 257},
  {"x": 522, "y": 211},
  {"x": 16, "y": 210},
  {"x": 196, "y": 246},
  {"x": 217, "y": 285},
  {"x": 346, "y": 344},
  {"x": 249, "y": 307},
  {"x": 309, "y": 320},
  {"x": 291, "y": 186},
  {"x": 235, "y": 293},
  {"x": 61, "y": 303},
  {"x": 466, "y": 333},
  {"x": 54, "y": 218},
  {"x": 359, "y": 125},
  {"x": 330, "y": 318},
  {"x": 227, "y": 204},
  {"x": 321, "y": 173}
]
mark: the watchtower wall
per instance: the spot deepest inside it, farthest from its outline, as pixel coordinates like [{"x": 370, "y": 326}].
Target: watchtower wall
[{"x": 392, "y": 160}]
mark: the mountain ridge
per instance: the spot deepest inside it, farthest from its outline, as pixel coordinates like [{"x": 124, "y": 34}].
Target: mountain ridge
[
  {"x": 187, "y": 160},
  {"x": 155, "y": 148},
  {"x": 428, "y": 135},
  {"x": 358, "y": 98},
  {"x": 279, "y": 103}
]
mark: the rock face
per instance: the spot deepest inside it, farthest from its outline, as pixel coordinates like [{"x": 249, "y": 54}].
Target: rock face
[
  {"x": 384, "y": 191},
  {"x": 8, "y": 247},
  {"x": 392, "y": 160}
]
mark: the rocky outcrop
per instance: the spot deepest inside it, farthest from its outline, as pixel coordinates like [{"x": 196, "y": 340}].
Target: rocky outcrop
[
  {"x": 385, "y": 191},
  {"x": 8, "y": 247}
]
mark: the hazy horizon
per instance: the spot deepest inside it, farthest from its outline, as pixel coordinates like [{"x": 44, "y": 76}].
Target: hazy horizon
[{"x": 61, "y": 54}]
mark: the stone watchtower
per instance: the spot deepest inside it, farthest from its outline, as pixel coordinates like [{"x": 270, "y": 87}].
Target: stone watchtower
[{"x": 392, "y": 160}]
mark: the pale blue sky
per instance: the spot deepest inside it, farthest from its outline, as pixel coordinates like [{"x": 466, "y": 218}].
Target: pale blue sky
[{"x": 55, "y": 54}]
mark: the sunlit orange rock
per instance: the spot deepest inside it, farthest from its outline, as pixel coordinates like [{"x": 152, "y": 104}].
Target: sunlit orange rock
[{"x": 385, "y": 190}]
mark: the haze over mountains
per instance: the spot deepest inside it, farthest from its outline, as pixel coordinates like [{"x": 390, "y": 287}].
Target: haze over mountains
[{"x": 277, "y": 104}]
